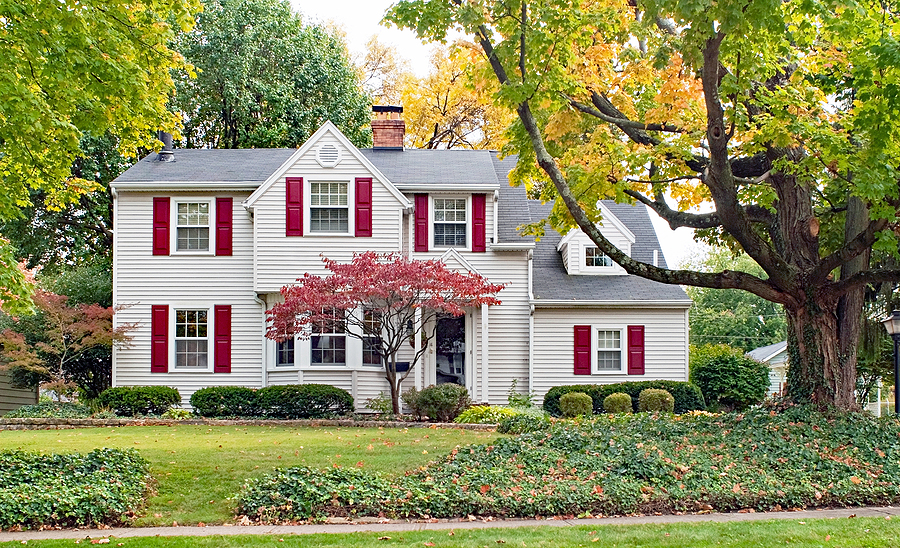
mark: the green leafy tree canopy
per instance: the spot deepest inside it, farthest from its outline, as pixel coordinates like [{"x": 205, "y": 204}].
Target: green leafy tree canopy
[{"x": 264, "y": 79}]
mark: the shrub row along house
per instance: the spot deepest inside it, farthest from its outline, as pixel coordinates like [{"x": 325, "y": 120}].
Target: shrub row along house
[{"x": 205, "y": 239}]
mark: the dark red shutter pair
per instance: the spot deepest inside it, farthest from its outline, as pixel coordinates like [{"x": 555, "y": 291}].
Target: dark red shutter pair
[
  {"x": 294, "y": 206},
  {"x": 162, "y": 220},
  {"x": 159, "y": 338},
  {"x": 479, "y": 222},
  {"x": 583, "y": 336}
]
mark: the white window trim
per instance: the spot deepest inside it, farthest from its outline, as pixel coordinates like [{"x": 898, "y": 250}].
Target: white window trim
[
  {"x": 468, "y": 223},
  {"x": 286, "y": 367},
  {"x": 307, "y": 205},
  {"x": 582, "y": 261},
  {"x": 623, "y": 361},
  {"x": 173, "y": 222},
  {"x": 210, "y": 338}
]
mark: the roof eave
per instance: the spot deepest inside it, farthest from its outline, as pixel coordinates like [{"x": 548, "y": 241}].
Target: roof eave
[
  {"x": 458, "y": 188},
  {"x": 550, "y": 303},
  {"x": 203, "y": 186}
]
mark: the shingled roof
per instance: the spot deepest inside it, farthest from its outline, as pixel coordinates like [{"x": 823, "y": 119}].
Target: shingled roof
[{"x": 553, "y": 283}]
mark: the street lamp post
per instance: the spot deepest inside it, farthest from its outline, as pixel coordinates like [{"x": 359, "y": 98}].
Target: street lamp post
[{"x": 892, "y": 325}]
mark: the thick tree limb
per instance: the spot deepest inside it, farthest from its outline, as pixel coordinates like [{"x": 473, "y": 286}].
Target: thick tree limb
[{"x": 850, "y": 250}]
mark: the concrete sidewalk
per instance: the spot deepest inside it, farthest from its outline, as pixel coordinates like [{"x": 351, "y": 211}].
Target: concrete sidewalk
[{"x": 887, "y": 512}]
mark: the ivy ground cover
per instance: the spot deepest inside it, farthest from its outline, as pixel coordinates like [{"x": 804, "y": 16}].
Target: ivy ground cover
[
  {"x": 620, "y": 464},
  {"x": 100, "y": 487},
  {"x": 197, "y": 470}
]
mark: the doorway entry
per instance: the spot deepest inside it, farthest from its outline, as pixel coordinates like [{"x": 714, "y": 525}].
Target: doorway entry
[{"x": 450, "y": 352}]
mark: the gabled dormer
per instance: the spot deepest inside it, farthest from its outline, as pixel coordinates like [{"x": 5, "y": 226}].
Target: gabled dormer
[{"x": 581, "y": 256}]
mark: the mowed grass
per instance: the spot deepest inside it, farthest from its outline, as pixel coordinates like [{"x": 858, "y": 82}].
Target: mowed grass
[
  {"x": 197, "y": 468},
  {"x": 832, "y": 533}
]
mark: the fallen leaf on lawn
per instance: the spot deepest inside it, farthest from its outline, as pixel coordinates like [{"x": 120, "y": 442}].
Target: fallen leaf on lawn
[
  {"x": 429, "y": 544},
  {"x": 855, "y": 480},
  {"x": 827, "y": 538},
  {"x": 501, "y": 541},
  {"x": 384, "y": 538}
]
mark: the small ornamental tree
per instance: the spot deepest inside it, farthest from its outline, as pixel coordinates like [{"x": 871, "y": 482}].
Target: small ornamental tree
[
  {"x": 47, "y": 347},
  {"x": 386, "y": 300}
]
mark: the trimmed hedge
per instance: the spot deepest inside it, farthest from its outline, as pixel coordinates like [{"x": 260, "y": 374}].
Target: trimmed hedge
[
  {"x": 617, "y": 402},
  {"x": 728, "y": 379},
  {"x": 440, "y": 403},
  {"x": 687, "y": 396},
  {"x": 574, "y": 404},
  {"x": 485, "y": 414},
  {"x": 225, "y": 401},
  {"x": 129, "y": 401},
  {"x": 654, "y": 399},
  {"x": 71, "y": 490},
  {"x": 303, "y": 401}
]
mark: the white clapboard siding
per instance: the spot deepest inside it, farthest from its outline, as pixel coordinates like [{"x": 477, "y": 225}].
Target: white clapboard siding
[
  {"x": 142, "y": 280},
  {"x": 280, "y": 260},
  {"x": 665, "y": 344},
  {"x": 14, "y": 398}
]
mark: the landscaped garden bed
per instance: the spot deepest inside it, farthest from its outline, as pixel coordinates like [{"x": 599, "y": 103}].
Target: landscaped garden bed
[
  {"x": 618, "y": 464},
  {"x": 103, "y": 486}
]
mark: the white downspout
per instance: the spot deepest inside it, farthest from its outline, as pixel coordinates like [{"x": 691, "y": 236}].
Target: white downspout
[
  {"x": 115, "y": 291},
  {"x": 496, "y": 222},
  {"x": 265, "y": 345},
  {"x": 530, "y": 259},
  {"x": 417, "y": 345},
  {"x": 485, "y": 397}
]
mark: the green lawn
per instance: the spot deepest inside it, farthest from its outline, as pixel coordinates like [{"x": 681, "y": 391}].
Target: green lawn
[
  {"x": 198, "y": 467},
  {"x": 837, "y": 533}
]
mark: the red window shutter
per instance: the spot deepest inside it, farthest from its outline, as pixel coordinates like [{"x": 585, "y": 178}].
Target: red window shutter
[
  {"x": 222, "y": 317},
  {"x": 479, "y": 222},
  {"x": 582, "y": 350},
  {"x": 421, "y": 243},
  {"x": 224, "y": 211},
  {"x": 161, "y": 226},
  {"x": 159, "y": 338},
  {"x": 635, "y": 349},
  {"x": 363, "y": 207},
  {"x": 293, "y": 190}
]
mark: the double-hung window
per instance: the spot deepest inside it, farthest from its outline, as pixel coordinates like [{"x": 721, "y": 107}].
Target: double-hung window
[
  {"x": 191, "y": 339},
  {"x": 371, "y": 340},
  {"x": 329, "y": 342},
  {"x": 609, "y": 350},
  {"x": 594, "y": 257},
  {"x": 328, "y": 207},
  {"x": 450, "y": 222},
  {"x": 192, "y": 226},
  {"x": 284, "y": 353}
]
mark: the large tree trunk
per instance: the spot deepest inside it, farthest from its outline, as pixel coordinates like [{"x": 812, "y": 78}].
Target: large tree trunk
[{"x": 819, "y": 372}]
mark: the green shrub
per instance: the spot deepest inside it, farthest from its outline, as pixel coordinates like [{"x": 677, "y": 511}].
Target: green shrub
[
  {"x": 617, "y": 402},
  {"x": 654, "y": 399},
  {"x": 728, "y": 379},
  {"x": 522, "y": 424},
  {"x": 71, "y": 490},
  {"x": 411, "y": 398},
  {"x": 485, "y": 414},
  {"x": 574, "y": 404},
  {"x": 381, "y": 404},
  {"x": 54, "y": 410},
  {"x": 440, "y": 403},
  {"x": 303, "y": 401},
  {"x": 225, "y": 401},
  {"x": 687, "y": 396},
  {"x": 130, "y": 401}
]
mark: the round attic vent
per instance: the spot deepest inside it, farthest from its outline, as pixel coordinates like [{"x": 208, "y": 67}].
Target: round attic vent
[{"x": 328, "y": 155}]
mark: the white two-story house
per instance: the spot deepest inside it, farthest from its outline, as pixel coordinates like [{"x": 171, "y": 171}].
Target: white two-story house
[{"x": 205, "y": 240}]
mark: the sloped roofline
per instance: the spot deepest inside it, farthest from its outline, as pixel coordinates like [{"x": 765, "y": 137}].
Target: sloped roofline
[
  {"x": 607, "y": 216},
  {"x": 460, "y": 259},
  {"x": 327, "y": 127}
]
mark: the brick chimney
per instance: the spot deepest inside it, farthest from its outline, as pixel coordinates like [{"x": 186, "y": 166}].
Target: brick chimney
[{"x": 388, "y": 129}]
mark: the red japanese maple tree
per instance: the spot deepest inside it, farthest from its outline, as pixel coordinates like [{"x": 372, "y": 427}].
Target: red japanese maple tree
[{"x": 386, "y": 300}]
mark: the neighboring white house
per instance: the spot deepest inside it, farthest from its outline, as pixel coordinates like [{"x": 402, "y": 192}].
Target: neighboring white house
[
  {"x": 776, "y": 357},
  {"x": 205, "y": 241}
]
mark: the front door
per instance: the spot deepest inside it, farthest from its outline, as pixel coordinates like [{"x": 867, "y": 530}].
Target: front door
[{"x": 450, "y": 355}]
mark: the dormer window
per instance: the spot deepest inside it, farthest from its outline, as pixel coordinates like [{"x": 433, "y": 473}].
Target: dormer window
[
  {"x": 450, "y": 222},
  {"x": 594, "y": 257}
]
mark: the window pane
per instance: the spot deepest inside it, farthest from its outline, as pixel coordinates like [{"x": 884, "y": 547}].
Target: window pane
[
  {"x": 449, "y": 235},
  {"x": 451, "y": 210},
  {"x": 607, "y": 360},
  {"x": 328, "y": 194},
  {"x": 191, "y": 353},
  {"x": 191, "y": 344},
  {"x": 193, "y": 239},
  {"x": 594, "y": 257},
  {"x": 329, "y": 220},
  {"x": 285, "y": 353},
  {"x": 329, "y": 349},
  {"x": 193, "y": 214},
  {"x": 608, "y": 339}
]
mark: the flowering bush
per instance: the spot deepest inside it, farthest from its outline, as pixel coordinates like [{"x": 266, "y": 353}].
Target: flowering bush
[{"x": 485, "y": 414}]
